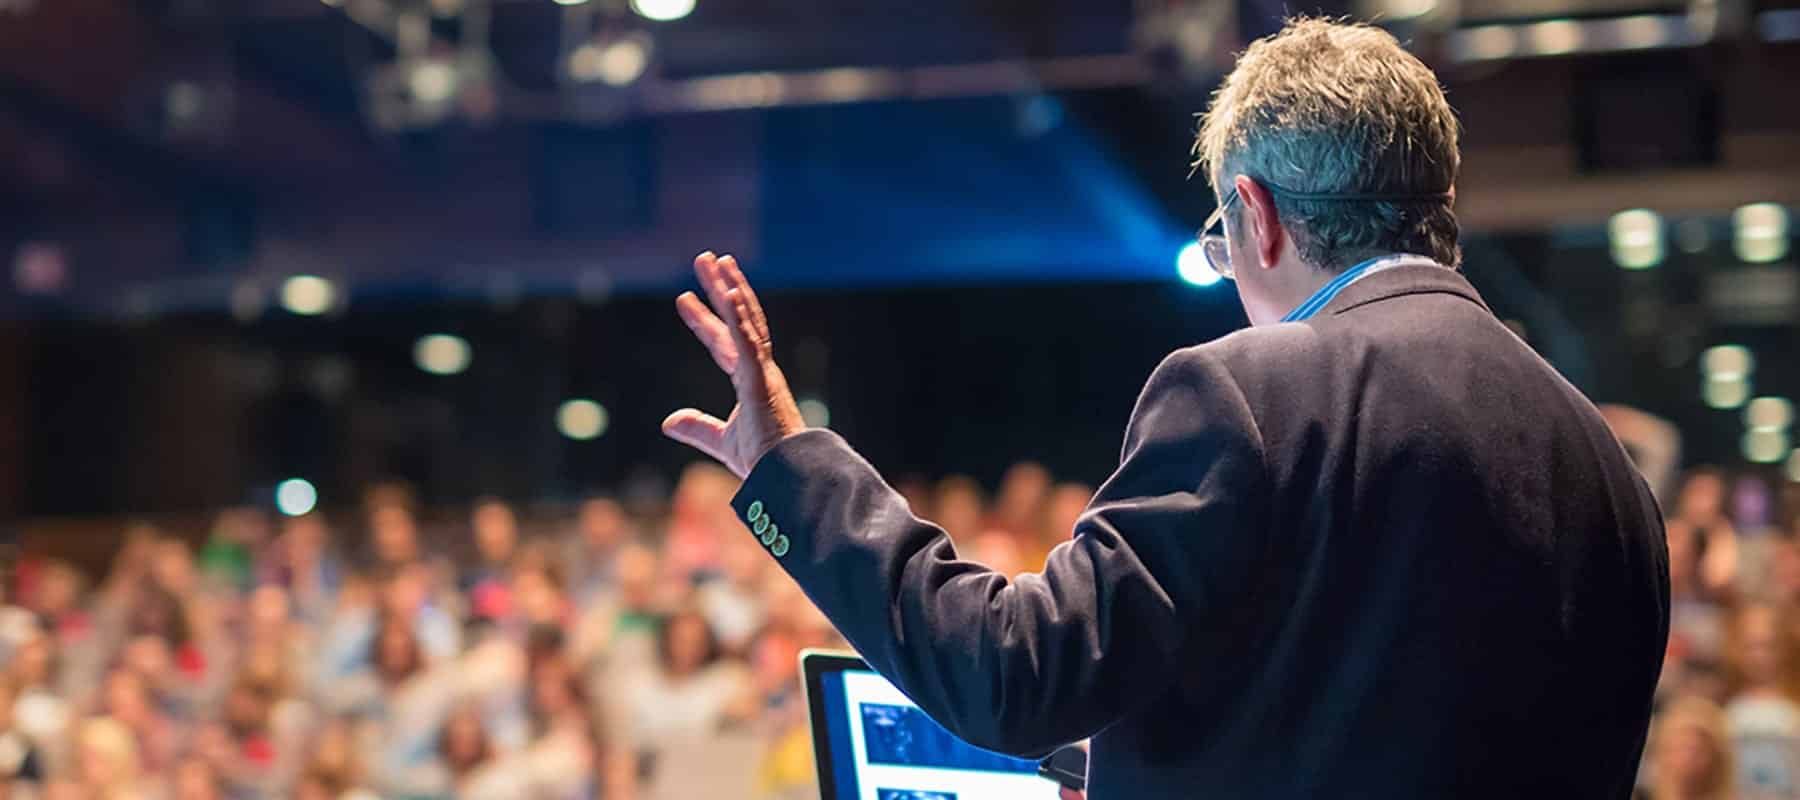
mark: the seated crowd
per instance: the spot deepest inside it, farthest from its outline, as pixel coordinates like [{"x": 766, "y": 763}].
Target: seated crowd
[
  {"x": 644, "y": 652},
  {"x": 613, "y": 650}
]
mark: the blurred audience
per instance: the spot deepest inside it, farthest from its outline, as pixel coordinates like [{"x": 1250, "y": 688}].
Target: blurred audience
[{"x": 642, "y": 652}]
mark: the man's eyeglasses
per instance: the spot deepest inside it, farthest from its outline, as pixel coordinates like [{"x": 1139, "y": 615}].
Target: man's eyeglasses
[
  {"x": 1213, "y": 245},
  {"x": 1218, "y": 253}
]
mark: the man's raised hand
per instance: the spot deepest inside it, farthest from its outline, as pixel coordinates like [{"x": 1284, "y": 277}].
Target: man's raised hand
[{"x": 736, "y": 333}]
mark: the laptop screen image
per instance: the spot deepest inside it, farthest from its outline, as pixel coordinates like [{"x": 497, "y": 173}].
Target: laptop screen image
[{"x": 875, "y": 744}]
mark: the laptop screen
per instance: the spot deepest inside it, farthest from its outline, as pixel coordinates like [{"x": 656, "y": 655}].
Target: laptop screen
[{"x": 882, "y": 747}]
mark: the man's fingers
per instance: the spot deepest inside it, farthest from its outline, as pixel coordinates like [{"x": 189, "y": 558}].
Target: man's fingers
[
  {"x": 750, "y": 342},
  {"x": 698, "y": 430},
  {"x": 709, "y": 330},
  {"x": 712, "y": 282},
  {"x": 748, "y": 378},
  {"x": 738, "y": 312},
  {"x": 735, "y": 279}
]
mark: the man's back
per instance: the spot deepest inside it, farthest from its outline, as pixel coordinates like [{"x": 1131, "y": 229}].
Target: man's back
[{"x": 1462, "y": 589}]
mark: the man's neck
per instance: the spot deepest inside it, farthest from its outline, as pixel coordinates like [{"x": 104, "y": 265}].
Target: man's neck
[
  {"x": 1308, "y": 280},
  {"x": 1297, "y": 281}
]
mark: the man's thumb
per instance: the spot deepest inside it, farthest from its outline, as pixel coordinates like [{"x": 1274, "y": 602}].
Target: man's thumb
[{"x": 698, "y": 430}]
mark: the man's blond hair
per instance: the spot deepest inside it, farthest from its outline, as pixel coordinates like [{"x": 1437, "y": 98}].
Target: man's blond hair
[{"x": 1326, "y": 107}]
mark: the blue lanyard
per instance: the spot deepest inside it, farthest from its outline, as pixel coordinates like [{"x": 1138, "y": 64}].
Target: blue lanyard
[{"x": 1330, "y": 290}]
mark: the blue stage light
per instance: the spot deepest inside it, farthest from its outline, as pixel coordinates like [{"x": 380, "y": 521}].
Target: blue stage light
[{"x": 1191, "y": 263}]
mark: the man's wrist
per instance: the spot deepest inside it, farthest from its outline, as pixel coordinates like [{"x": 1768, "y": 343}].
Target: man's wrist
[{"x": 768, "y": 447}]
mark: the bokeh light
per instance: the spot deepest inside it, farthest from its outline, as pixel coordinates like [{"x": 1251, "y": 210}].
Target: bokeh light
[
  {"x": 442, "y": 354},
  {"x": 1727, "y": 361},
  {"x": 1766, "y": 447},
  {"x": 1636, "y": 237},
  {"x": 616, "y": 63},
  {"x": 308, "y": 295},
  {"x": 663, "y": 10},
  {"x": 1768, "y": 414},
  {"x": 581, "y": 419},
  {"x": 1727, "y": 392},
  {"x": 815, "y": 412},
  {"x": 296, "y": 497},
  {"x": 1760, "y": 232}
]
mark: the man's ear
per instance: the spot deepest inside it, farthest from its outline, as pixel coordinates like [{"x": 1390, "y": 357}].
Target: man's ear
[{"x": 1265, "y": 221}]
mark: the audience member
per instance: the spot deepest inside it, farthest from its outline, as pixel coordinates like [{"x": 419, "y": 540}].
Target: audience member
[
  {"x": 108, "y": 766},
  {"x": 1763, "y": 717},
  {"x": 692, "y": 691},
  {"x": 302, "y": 562},
  {"x": 616, "y": 637},
  {"x": 1690, "y": 756},
  {"x": 700, "y": 514},
  {"x": 591, "y": 552},
  {"x": 496, "y": 537},
  {"x": 733, "y": 602},
  {"x": 1061, "y": 511},
  {"x": 1020, "y": 505},
  {"x": 958, "y": 507}
]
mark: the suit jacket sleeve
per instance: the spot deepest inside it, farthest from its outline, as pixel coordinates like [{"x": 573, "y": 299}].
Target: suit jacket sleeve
[{"x": 1028, "y": 664}]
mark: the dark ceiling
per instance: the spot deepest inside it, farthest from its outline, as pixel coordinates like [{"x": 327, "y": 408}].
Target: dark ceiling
[{"x": 210, "y": 140}]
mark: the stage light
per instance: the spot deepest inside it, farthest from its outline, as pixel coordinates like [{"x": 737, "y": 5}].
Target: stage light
[
  {"x": 1725, "y": 393},
  {"x": 1191, "y": 264},
  {"x": 1766, "y": 447},
  {"x": 1636, "y": 237},
  {"x": 1408, "y": 9},
  {"x": 723, "y": 92},
  {"x": 441, "y": 354},
  {"x": 663, "y": 10},
  {"x": 1760, "y": 232},
  {"x": 1769, "y": 414},
  {"x": 815, "y": 412},
  {"x": 570, "y": 2},
  {"x": 581, "y": 419},
  {"x": 1485, "y": 43},
  {"x": 1793, "y": 466},
  {"x": 618, "y": 63},
  {"x": 1555, "y": 37},
  {"x": 1641, "y": 32},
  {"x": 296, "y": 497},
  {"x": 1727, "y": 361},
  {"x": 307, "y": 295}
]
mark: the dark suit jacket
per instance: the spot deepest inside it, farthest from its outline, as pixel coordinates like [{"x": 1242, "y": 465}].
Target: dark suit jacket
[{"x": 1387, "y": 552}]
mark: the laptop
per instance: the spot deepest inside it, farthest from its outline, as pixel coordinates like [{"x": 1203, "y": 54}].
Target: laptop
[{"x": 871, "y": 743}]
